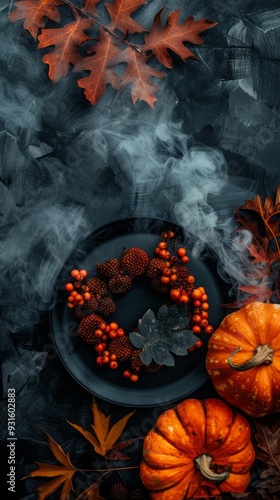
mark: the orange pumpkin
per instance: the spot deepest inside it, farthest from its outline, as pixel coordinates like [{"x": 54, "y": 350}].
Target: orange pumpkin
[
  {"x": 243, "y": 358},
  {"x": 197, "y": 449}
]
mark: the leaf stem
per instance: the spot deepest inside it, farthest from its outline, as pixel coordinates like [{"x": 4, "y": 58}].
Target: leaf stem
[
  {"x": 269, "y": 231},
  {"x": 109, "y": 469},
  {"x": 108, "y": 30}
]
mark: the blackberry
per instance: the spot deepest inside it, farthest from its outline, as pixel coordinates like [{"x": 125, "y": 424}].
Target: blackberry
[
  {"x": 87, "y": 327},
  {"x": 159, "y": 287},
  {"x": 109, "y": 268},
  {"x": 120, "y": 284},
  {"x": 155, "y": 268},
  {"x": 135, "y": 261},
  {"x": 97, "y": 286},
  {"x": 89, "y": 307},
  {"x": 182, "y": 274},
  {"x": 118, "y": 492},
  {"x": 122, "y": 347},
  {"x": 135, "y": 360},
  {"x": 106, "y": 306},
  {"x": 153, "y": 367},
  {"x": 137, "y": 494}
]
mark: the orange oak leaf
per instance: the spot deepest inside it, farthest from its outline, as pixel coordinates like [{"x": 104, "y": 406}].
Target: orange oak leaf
[
  {"x": 268, "y": 443},
  {"x": 94, "y": 84},
  {"x": 120, "y": 12},
  {"x": 35, "y": 13},
  {"x": 66, "y": 42},
  {"x": 90, "y": 7},
  {"x": 103, "y": 439},
  {"x": 138, "y": 74},
  {"x": 62, "y": 474},
  {"x": 160, "y": 39}
]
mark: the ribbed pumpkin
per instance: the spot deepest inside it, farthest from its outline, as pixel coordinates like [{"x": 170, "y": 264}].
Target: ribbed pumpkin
[
  {"x": 196, "y": 450},
  {"x": 243, "y": 358}
]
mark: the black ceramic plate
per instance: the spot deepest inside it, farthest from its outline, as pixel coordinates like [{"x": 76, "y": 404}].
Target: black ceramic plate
[{"x": 171, "y": 383}]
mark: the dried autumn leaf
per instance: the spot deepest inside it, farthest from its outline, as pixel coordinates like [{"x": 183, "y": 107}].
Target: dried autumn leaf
[
  {"x": 104, "y": 439},
  {"x": 138, "y": 74},
  {"x": 259, "y": 253},
  {"x": 277, "y": 196},
  {"x": 120, "y": 12},
  {"x": 91, "y": 493},
  {"x": 269, "y": 486},
  {"x": 262, "y": 221},
  {"x": 63, "y": 473},
  {"x": 256, "y": 205},
  {"x": 260, "y": 293},
  {"x": 89, "y": 7},
  {"x": 101, "y": 73},
  {"x": 160, "y": 40},
  {"x": 116, "y": 431},
  {"x": 268, "y": 439},
  {"x": 100, "y": 425},
  {"x": 117, "y": 455},
  {"x": 35, "y": 13},
  {"x": 90, "y": 437},
  {"x": 66, "y": 42},
  {"x": 123, "y": 444},
  {"x": 266, "y": 211}
]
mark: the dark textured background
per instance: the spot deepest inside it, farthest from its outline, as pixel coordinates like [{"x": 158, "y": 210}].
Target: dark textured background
[{"x": 68, "y": 168}]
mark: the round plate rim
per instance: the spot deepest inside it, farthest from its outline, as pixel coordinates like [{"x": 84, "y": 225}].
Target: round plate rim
[{"x": 152, "y": 399}]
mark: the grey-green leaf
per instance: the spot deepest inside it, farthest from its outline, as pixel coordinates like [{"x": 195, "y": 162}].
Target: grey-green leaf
[
  {"x": 137, "y": 340},
  {"x": 161, "y": 335}
]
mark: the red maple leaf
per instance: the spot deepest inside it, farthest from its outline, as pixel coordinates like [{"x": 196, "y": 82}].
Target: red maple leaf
[
  {"x": 160, "y": 40},
  {"x": 66, "y": 42},
  {"x": 100, "y": 73},
  {"x": 120, "y": 12},
  {"x": 260, "y": 293},
  {"x": 263, "y": 224},
  {"x": 34, "y": 12},
  {"x": 266, "y": 211},
  {"x": 138, "y": 74},
  {"x": 262, "y": 254}
]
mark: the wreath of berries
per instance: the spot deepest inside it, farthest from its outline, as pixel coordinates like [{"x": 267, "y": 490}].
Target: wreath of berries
[{"x": 92, "y": 300}]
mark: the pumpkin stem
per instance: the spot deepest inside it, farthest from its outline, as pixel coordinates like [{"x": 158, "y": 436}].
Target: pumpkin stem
[
  {"x": 263, "y": 356},
  {"x": 203, "y": 464}
]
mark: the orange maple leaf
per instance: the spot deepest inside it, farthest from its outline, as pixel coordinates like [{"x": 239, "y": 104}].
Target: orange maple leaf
[
  {"x": 100, "y": 74},
  {"x": 138, "y": 74},
  {"x": 34, "y": 12},
  {"x": 63, "y": 473},
  {"x": 160, "y": 40},
  {"x": 103, "y": 439},
  {"x": 66, "y": 42},
  {"x": 120, "y": 12}
]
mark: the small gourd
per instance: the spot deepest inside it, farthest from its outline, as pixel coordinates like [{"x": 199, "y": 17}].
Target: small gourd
[
  {"x": 243, "y": 358},
  {"x": 198, "y": 449}
]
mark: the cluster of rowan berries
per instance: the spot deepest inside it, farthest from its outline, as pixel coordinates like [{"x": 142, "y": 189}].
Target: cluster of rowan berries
[
  {"x": 78, "y": 293},
  {"x": 169, "y": 275},
  {"x": 183, "y": 291}
]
